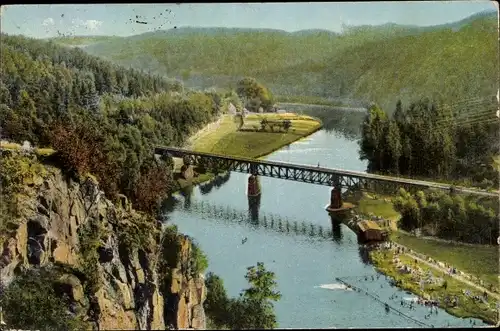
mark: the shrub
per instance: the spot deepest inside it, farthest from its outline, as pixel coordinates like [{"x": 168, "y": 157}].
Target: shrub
[
  {"x": 31, "y": 302},
  {"x": 200, "y": 260}
]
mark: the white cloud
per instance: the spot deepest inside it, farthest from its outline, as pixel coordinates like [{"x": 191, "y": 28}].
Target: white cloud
[
  {"x": 48, "y": 21},
  {"x": 92, "y": 25}
]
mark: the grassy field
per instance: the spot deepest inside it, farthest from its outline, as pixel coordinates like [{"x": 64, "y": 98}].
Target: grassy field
[
  {"x": 465, "y": 308},
  {"x": 379, "y": 206},
  {"x": 226, "y": 139},
  {"x": 480, "y": 261}
]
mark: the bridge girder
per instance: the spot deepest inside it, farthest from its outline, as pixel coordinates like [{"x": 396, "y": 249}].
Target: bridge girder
[
  {"x": 275, "y": 171},
  {"x": 310, "y": 174}
]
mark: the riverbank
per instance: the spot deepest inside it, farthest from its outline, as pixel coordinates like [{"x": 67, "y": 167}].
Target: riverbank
[
  {"x": 480, "y": 261},
  {"x": 433, "y": 283},
  {"x": 223, "y": 137}
]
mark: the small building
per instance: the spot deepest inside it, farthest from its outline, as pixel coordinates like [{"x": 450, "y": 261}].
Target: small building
[
  {"x": 281, "y": 111},
  {"x": 261, "y": 110},
  {"x": 370, "y": 231}
]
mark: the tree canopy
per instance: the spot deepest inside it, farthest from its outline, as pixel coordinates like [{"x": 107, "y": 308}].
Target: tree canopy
[
  {"x": 254, "y": 94},
  {"x": 427, "y": 140},
  {"x": 253, "y": 309},
  {"x": 33, "y": 302},
  {"x": 100, "y": 118}
]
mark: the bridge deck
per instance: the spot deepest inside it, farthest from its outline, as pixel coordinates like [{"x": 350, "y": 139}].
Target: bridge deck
[{"x": 310, "y": 173}]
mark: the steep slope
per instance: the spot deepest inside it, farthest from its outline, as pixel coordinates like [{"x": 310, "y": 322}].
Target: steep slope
[
  {"x": 110, "y": 260},
  {"x": 367, "y": 63},
  {"x": 64, "y": 214},
  {"x": 446, "y": 64}
]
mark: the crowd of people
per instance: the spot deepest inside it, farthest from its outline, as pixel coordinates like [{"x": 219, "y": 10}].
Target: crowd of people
[
  {"x": 449, "y": 269},
  {"x": 422, "y": 278}
]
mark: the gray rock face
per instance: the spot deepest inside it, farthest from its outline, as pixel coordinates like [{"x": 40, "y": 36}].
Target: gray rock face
[{"x": 53, "y": 213}]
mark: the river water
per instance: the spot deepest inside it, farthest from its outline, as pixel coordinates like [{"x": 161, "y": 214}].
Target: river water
[{"x": 306, "y": 261}]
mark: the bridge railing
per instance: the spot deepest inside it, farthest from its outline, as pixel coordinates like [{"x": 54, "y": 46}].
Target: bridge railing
[{"x": 308, "y": 173}]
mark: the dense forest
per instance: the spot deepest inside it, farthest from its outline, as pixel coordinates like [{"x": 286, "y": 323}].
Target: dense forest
[
  {"x": 450, "y": 217},
  {"x": 380, "y": 63},
  {"x": 427, "y": 140},
  {"x": 104, "y": 120},
  {"x": 100, "y": 118}
]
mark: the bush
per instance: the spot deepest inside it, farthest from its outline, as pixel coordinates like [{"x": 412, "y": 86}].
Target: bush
[
  {"x": 31, "y": 302},
  {"x": 199, "y": 259},
  {"x": 151, "y": 187},
  {"x": 252, "y": 310}
]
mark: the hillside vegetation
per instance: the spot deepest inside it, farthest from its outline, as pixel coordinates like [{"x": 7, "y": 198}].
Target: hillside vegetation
[
  {"x": 363, "y": 64},
  {"x": 100, "y": 118},
  {"x": 94, "y": 126}
]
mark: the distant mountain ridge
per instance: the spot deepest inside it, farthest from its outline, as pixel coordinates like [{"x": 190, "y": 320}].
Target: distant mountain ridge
[{"x": 367, "y": 63}]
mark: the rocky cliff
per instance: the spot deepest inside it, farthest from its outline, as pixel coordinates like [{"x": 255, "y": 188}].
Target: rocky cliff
[{"x": 110, "y": 257}]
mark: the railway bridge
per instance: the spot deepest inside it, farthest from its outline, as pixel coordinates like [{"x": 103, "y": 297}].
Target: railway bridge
[{"x": 336, "y": 178}]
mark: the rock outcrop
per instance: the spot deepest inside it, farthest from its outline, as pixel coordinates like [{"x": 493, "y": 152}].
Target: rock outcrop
[{"x": 68, "y": 223}]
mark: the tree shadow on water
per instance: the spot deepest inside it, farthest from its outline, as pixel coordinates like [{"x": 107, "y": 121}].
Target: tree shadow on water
[
  {"x": 364, "y": 254},
  {"x": 216, "y": 182},
  {"x": 187, "y": 193}
]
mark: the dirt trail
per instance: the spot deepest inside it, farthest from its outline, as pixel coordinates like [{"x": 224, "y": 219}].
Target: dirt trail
[{"x": 204, "y": 131}]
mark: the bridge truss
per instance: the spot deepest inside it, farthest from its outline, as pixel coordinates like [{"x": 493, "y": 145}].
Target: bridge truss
[{"x": 307, "y": 173}]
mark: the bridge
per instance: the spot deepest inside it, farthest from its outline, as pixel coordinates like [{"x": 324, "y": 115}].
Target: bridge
[{"x": 309, "y": 173}]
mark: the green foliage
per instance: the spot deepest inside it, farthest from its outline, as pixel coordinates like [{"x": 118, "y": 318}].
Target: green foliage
[
  {"x": 254, "y": 94},
  {"x": 252, "y": 310},
  {"x": 262, "y": 284},
  {"x": 15, "y": 173},
  {"x": 101, "y": 118},
  {"x": 136, "y": 232},
  {"x": 425, "y": 140},
  {"x": 89, "y": 236},
  {"x": 31, "y": 301},
  {"x": 452, "y": 62},
  {"x": 199, "y": 258},
  {"x": 448, "y": 217},
  {"x": 217, "y": 303}
]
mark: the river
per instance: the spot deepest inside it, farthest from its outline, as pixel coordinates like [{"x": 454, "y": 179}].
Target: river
[{"x": 305, "y": 264}]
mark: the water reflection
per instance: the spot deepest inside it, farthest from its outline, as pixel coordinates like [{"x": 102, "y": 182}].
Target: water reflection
[
  {"x": 253, "y": 217},
  {"x": 253, "y": 208},
  {"x": 216, "y": 182},
  {"x": 187, "y": 193},
  {"x": 344, "y": 121},
  {"x": 364, "y": 254},
  {"x": 336, "y": 229},
  {"x": 169, "y": 204}
]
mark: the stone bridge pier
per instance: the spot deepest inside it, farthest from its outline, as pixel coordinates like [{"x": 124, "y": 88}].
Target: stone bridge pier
[
  {"x": 253, "y": 186},
  {"x": 335, "y": 198}
]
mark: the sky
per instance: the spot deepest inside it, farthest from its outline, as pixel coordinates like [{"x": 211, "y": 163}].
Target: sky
[{"x": 44, "y": 21}]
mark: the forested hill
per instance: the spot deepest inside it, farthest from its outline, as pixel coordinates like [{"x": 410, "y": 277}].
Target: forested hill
[
  {"x": 367, "y": 63},
  {"x": 100, "y": 118}
]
